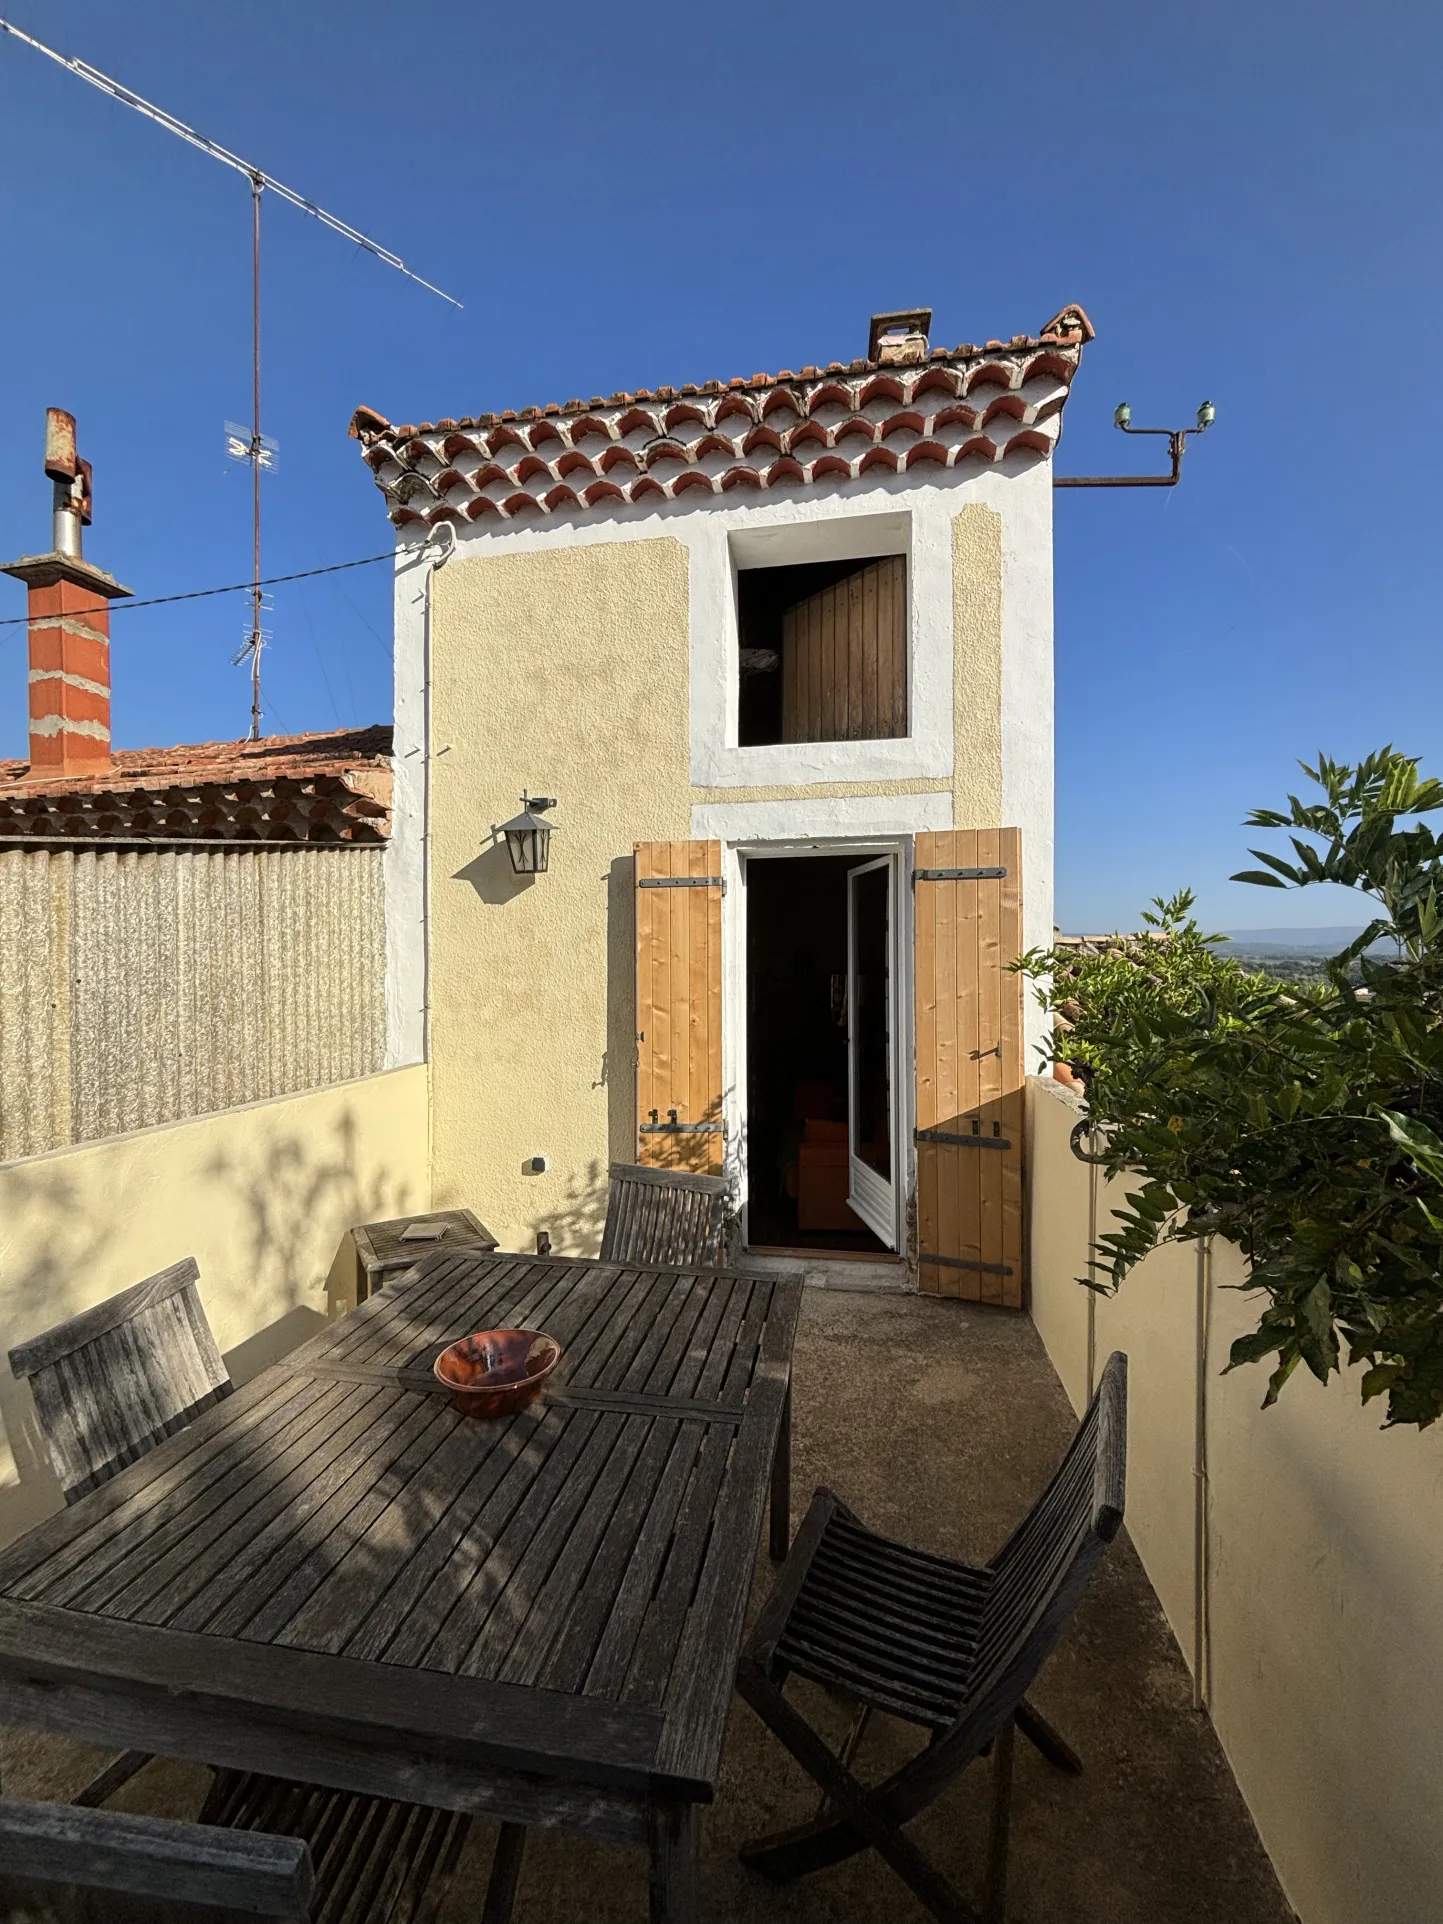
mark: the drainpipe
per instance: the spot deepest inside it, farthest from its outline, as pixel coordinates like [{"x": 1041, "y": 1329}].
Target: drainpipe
[{"x": 1202, "y": 1590}]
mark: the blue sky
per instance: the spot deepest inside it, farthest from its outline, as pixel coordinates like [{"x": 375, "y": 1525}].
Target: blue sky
[{"x": 1243, "y": 197}]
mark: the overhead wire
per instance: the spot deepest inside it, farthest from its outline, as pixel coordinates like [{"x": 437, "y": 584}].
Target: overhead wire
[{"x": 232, "y": 588}]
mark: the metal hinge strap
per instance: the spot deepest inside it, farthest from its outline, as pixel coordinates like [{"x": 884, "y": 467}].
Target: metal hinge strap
[
  {"x": 966, "y": 1262},
  {"x": 683, "y": 882},
  {"x": 963, "y": 1142},
  {"x": 958, "y": 874},
  {"x": 683, "y": 1128}
]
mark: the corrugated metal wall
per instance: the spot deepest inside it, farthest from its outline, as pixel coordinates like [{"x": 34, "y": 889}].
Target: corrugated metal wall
[{"x": 139, "y": 987}]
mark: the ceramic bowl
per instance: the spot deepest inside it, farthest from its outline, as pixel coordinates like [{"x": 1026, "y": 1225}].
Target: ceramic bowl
[{"x": 497, "y": 1371}]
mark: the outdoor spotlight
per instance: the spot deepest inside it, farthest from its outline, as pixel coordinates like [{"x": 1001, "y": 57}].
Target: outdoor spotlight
[
  {"x": 528, "y": 837},
  {"x": 1122, "y": 415},
  {"x": 1206, "y": 415}
]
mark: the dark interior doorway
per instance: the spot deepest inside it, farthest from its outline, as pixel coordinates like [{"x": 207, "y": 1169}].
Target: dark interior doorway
[{"x": 797, "y": 1149}]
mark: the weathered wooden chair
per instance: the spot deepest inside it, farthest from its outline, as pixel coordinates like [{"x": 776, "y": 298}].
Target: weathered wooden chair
[
  {"x": 112, "y": 1383},
  {"x": 60, "y": 1865},
  {"x": 376, "y": 1861},
  {"x": 666, "y": 1216},
  {"x": 121, "y": 1377},
  {"x": 938, "y": 1644}
]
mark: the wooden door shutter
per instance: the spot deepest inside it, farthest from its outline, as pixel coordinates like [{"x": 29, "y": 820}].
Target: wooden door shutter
[
  {"x": 844, "y": 659},
  {"x": 970, "y": 1072},
  {"x": 678, "y": 1005}
]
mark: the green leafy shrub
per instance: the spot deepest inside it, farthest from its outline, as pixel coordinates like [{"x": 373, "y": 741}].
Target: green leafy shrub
[{"x": 1305, "y": 1122}]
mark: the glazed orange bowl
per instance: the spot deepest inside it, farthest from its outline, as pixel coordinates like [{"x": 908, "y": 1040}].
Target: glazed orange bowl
[{"x": 497, "y": 1371}]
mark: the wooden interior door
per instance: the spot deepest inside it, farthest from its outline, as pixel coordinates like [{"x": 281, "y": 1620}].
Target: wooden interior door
[
  {"x": 844, "y": 659},
  {"x": 970, "y": 1071},
  {"x": 679, "y": 1006}
]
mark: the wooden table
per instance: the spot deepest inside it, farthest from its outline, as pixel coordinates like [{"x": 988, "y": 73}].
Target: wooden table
[
  {"x": 385, "y": 1249},
  {"x": 332, "y": 1576}
]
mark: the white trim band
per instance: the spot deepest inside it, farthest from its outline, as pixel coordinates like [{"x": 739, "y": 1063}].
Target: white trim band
[{"x": 71, "y": 681}]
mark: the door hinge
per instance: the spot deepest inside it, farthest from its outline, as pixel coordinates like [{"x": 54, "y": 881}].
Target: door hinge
[
  {"x": 966, "y": 1262},
  {"x": 962, "y": 1142},
  {"x": 683, "y": 882},
  {"x": 958, "y": 875},
  {"x": 671, "y": 1127}
]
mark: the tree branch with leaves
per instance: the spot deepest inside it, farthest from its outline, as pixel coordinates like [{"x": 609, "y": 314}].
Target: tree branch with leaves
[{"x": 1303, "y": 1122}]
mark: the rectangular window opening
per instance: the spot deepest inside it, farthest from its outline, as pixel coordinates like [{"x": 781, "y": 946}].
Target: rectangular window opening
[{"x": 823, "y": 651}]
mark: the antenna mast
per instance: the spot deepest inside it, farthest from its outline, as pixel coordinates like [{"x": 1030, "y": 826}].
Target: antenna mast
[{"x": 258, "y": 451}]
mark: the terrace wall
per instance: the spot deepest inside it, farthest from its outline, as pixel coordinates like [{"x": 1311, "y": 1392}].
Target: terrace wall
[
  {"x": 142, "y": 986},
  {"x": 261, "y": 1196},
  {"x": 1321, "y": 1555}
]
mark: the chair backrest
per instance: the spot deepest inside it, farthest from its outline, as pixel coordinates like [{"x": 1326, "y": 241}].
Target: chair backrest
[
  {"x": 666, "y": 1216},
  {"x": 63, "y": 1865},
  {"x": 119, "y": 1378},
  {"x": 1045, "y": 1566}
]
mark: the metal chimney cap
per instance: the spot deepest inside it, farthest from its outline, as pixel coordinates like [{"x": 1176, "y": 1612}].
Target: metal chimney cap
[{"x": 62, "y": 463}]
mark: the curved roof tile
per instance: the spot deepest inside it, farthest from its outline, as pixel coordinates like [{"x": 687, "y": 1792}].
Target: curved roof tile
[{"x": 714, "y": 431}]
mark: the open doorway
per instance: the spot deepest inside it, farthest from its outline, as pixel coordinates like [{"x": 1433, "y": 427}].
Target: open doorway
[{"x": 821, "y": 1148}]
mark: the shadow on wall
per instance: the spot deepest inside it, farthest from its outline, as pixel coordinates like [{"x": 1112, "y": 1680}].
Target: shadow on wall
[
  {"x": 491, "y": 875},
  {"x": 288, "y": 1192},
  {"x": 263, "y": 1218},
  {"x": 618, "y": 1070},
  {"x": 576, "y": 1223}
]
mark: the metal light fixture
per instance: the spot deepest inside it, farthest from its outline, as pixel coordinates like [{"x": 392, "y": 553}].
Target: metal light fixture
[{"x": 528, "y": 837}]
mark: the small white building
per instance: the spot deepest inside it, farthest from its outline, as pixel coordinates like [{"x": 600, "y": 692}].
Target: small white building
[{"x": 780, "y": 651}]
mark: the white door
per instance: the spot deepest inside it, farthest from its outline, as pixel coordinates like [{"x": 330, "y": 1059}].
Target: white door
[{"x": 871, "y": 1033}]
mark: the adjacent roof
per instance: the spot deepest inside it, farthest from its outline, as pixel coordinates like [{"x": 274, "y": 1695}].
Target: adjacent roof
[
  {"x": 325, "y": 788},
  {"x": 829, "y": 424}
]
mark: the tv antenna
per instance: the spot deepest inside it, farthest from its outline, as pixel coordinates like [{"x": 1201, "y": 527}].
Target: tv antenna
[{"x": 250, "y": 445}]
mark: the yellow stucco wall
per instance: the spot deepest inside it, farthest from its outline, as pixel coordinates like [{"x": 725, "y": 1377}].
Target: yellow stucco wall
[
  {"x": 1324, "y": 1559},
  {"x": 564, "y": 673},
  {"x": 977, "y": 667},
  {"x": 261, "y": 1196}
]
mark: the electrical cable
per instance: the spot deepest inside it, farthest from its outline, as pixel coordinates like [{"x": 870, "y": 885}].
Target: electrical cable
[{"x": 199, "y": 594}]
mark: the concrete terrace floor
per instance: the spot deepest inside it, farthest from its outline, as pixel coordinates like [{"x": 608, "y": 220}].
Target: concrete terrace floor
[{"x": 937, "y": 1422}]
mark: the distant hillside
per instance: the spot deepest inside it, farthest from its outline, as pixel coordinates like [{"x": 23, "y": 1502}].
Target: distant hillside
[{"x": 1322, "y": 942}]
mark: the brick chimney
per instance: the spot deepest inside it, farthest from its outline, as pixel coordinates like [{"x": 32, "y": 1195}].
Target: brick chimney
[{"x": 69, "y": 623}]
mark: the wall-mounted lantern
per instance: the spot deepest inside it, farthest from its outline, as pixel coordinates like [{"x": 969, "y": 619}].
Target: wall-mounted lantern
[{"x": 528, "y": 836}]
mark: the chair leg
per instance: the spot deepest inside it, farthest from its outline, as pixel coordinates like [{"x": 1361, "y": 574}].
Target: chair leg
[
  {"x": 846, "y": 1756},
  {"x": 1041, "y": 1735},
  {"x": 853, "y": 1803},
  {"x": 994, "y": 1898},
  {"x": 505, "y": 1875},
  {"x": 119, "y": 1771},
  {"x": 781, "y": 1509}
]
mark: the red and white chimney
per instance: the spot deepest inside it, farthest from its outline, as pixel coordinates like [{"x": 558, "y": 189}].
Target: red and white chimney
[{"x": 69, "y": 623}]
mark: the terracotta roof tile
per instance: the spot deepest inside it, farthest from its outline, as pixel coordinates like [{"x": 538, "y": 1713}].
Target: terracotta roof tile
[
  {"x": 714, "y": 439},
  {"x": 320, "y": 788}
]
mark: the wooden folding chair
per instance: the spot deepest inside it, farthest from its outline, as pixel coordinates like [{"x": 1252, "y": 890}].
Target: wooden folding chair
[
  {"x": 376, "y": 1861},
  {"x": 940, "y": 1645},
  {"x": 112, "y": 1383},
  {"x": 666, "y": 1216}
]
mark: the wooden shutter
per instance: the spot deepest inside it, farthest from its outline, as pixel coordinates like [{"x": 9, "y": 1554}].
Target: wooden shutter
[
  {"x": 970, "y": 1072},
  {"x": 678, "y": 1005},
  {"x": 844, "y": 659}
]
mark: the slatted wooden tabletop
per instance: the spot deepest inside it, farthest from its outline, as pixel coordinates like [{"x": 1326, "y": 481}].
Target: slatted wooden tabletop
[{"x": 333, "y": 1575}]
